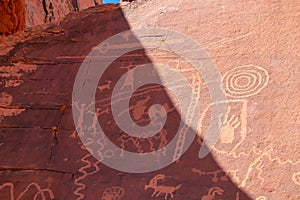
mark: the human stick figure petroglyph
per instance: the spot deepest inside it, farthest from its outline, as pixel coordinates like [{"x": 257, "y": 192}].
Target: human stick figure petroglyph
[
  {"x": 129, "y": 80},
  {"x": 161, "y": 189},
  {"x": 95, "y": 119},
  {"x": 81, "y": 109}
]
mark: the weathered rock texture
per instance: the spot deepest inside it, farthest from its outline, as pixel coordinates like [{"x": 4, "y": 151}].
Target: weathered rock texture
[
  {"x": 12, "y": 17},
  {"x": 16, "y": 15},
  {"x": 43, "y": 11},
  {"x": 253, "y": 44}
]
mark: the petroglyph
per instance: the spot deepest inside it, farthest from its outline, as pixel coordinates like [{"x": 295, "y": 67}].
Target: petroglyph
[
  {"x": 161, "y": 189},
  {"x": 218, "y": 175},
  {"x": 245, "y": 81},
  {"x": 155, "y": 142},
  {"x": 113, "y": 193},
  {"x": 234, "y": 126},
  {"x": 129, "y": 80},
  {"x": 228, "y": 127},
  {"x": 95, "y": 120},
  {"x": 138, "y": 110},
  {"x": 212, "y": 193},
  {"x": 296, "y": 178},
  {"x": 82, "y": 108},
  {"x": 44, "y": 194},
  {"x": 261, "y": 198},
  {"x": 85, "y": 172},
  {"x": 226, "y": 41},
  {"x": 106, "y": 86}
]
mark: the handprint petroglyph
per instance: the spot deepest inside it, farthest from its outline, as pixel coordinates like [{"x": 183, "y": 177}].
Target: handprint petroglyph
[{"x": 228, "y": 127}]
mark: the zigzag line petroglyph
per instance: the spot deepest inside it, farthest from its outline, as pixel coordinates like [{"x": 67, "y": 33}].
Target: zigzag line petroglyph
[{"x": 82, "y": 170}]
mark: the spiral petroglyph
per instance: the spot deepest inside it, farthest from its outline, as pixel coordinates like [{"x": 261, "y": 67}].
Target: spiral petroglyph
[{"x": 245, "y": 81}]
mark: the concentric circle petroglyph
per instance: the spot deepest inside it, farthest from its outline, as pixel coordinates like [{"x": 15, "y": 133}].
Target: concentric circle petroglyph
[{"x": 245, "y": 81}]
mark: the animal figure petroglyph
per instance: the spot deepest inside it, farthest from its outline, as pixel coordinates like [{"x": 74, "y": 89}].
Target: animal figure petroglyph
[
  {"x": 161, "y": 189},
  {"x": 106, "y": 86},
  {"x": 212, "y": 193},
  {"x": 95, "y": 119}
]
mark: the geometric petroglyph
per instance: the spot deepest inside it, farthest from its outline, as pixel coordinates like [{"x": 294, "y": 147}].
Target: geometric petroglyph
[
  {"x": 245, "y": 81},
  {"x": 88, "y": 169},
  {"x": 212, "y": 193},
  {"x": 161, "y": 189},
  {"x": 113, "y": 193},
  {"x": 43, "y": 194}
]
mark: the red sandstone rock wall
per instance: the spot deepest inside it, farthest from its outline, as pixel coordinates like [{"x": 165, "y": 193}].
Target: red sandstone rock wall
[
  {"x": 83, "y": 4},
  {"x": 43, "y": 11},
  {"x": 12, "y": 18},
  {"x": 16, "y": 15}
]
